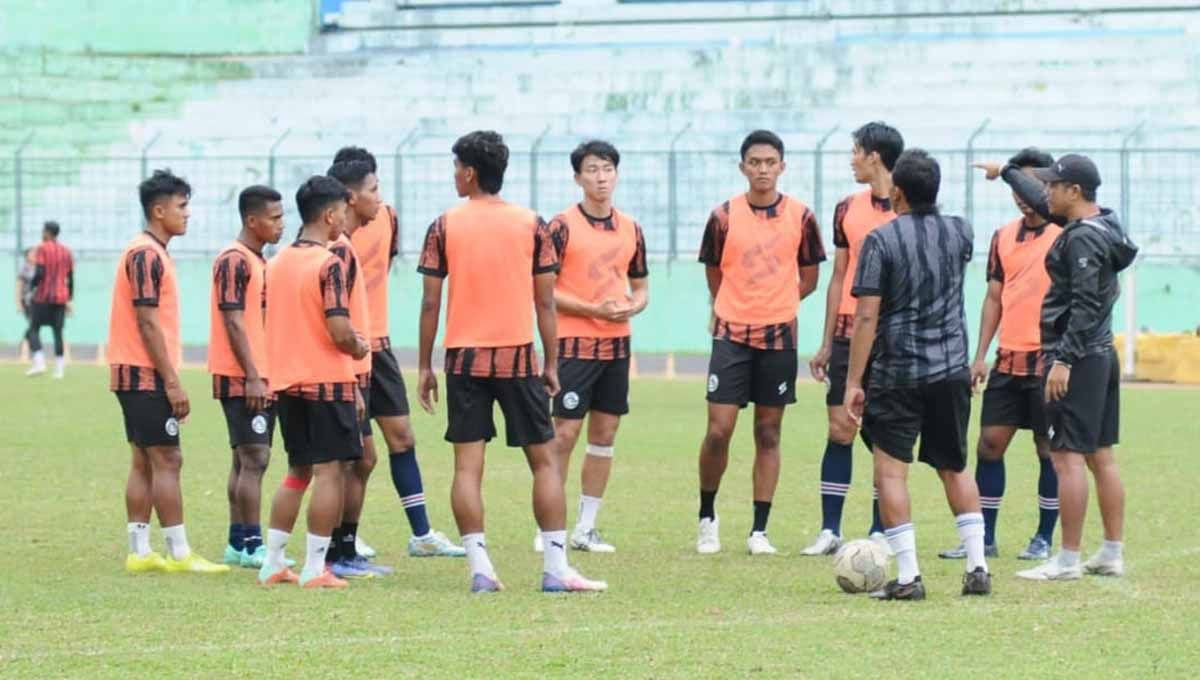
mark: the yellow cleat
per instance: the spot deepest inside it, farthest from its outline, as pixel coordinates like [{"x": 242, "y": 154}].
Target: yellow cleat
[
  {"x": 141, "y": 564},
  {"x": 195, "y": 564}
]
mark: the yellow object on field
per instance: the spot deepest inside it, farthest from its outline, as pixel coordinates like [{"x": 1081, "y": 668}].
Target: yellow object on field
[{"x": 1165, "y": 358}]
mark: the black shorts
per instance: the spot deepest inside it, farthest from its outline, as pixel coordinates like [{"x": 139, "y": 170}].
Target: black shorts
[
  {"x": 938, "y": 413},
  {"x": 388, "y": 397},
  {"x": 149, "y": 419},
  {"x": 1089, "y": 416},
  {"x": 318, "y": 431},
  {"x": 47, "y": 314},
  {"x": 1015, "y": 401},
  {"x": 839, "y": 368},
  {"x": 364, "y": 425},
  {"x": 740, "y": 374},
  {"x": 524, "y": 402},
  {"x": 592, "y": 385},
  {"x": 246, "y": 427}
]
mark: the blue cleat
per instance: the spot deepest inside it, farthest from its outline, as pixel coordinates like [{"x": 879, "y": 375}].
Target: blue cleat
[
  {"x": 345, "y": 569},
  {"x": 1038, "y": 549},
  {"x": 483, "y": 584},
  {"x": 363, "y": 563}
]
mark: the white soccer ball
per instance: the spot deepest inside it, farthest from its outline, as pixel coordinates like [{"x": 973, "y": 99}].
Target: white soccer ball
[{"x": 860, "y": 566}]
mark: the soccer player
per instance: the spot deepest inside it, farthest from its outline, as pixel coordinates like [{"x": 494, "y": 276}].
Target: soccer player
[
  {"x": 910, "y": 323},
  {"x": 311, "y": 348},
  {"x": 237, "y": 360},
  {"x": 601, "y": 285},
  {"x": 1017, "y": 282},
  {"x": 53, "y": 287},
  {"x": 761, "y": 251},
  {"x": 876, "y": 148},
  {"x": 377, "y": 243},
  {"x": 501, "y": 265},
  {"x": 144, "y": 354},
  {"x": 1083, "y": 381}
]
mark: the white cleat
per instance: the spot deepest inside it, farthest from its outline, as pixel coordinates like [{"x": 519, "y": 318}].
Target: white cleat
[
  {"x": 708, "y": 540},
  {"x": 827, "y": 543},
  {"x": 538, "y": 546},
  {"x": 1051, "y": 570},
  {"x": 880, "y": 539},
  {"x": 1100, "y": 565},
  {"x": 590, "y": 541},
  {"x": 758, "y": 544},
  {"x": 36, "y": 369},
  {"x": 361, "y": 547},
  {"x": 58, "y": 373}
]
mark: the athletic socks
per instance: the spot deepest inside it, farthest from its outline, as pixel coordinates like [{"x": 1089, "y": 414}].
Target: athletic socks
[
  {"x": 970, "y": 532},
  {"x": 589, "y": 506},
  {"x": 139, "y": 538},
  {"x": 1068, "y": 558},
  {"x": 477, "y": 556},
  {"x": 836, "y": 470},
  {"x": 554, "y": 555},
  {"x": 349, "y": 534},
  {"x": 406, "y": 477},
  {"x": 1047, "y": 500},
  {"x": 177, "y": 543},
  {"x": 236, "y": 534},
  {"x": 876, "y": 520},
  {"x": 334, "y": 552},
  {"x": 1110, "y": 550},
  {"x": 314, "y": 561},
  {"x": 902, "y": 540},
  {"x": 277, "y": 541},
  {"x": 989, "y": 477},
  {"x": 251, "y": 538},
  {"x": 708, "y": 500},
  {"x": 762, "y": 512}
]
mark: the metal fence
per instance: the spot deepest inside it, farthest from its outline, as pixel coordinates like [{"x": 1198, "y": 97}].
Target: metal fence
[{"x": 669, "y": 189}]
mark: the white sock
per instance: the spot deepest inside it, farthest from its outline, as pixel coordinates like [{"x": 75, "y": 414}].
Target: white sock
[
  {"x": 60, "y": 362},
  {"x": 970, "y": 531},
  {"x": 554, "y": 557},
  {"x": 39, "y": 358},
  {"x": 139, "y": 538},
  {"x": 1068, "y": 558},
  {"x": 276, "y": 543},
  {"x": 477, "y": 556},
  {"x": 903, "y": 542},
  {"x": 1111, "y": 550},
  {"x": 589, "y": 506},
  {"x": 314, "y": 561},
  {"x": 177, "y": 545}
]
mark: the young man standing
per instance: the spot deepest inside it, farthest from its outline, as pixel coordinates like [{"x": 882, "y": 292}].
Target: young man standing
[
  {"x": 876, "y": 148},
  {"x": 237, "y": 359},
  {"x": 501, "y": 265},
  {"x": 53, "y": 287},
  {"x": 1083, "y": 379},
  {"x": 1013, "y": 399},
  {"x": 761, "y": 251},
  {"x": 311, "y": 348},
  {"x": 377, "y": 242},
  {"x": 601, "y": 285},
  {"x": 144, "y": 355},
  {"x": 910, "y": 324}
]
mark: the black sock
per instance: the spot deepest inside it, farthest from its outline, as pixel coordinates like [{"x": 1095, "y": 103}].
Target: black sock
[
  {"x": 333, "y": 552},
  {"x": 762, "y": 511},
  {"x": 349, "y": 536},
  {"x": 707, "y": 500}
]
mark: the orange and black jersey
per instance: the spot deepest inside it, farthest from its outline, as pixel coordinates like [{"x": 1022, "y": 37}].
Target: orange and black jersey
[
  {"x": 854, "y": 217},
  {"x": 54, "y": 276},
  {"x": 143, "y": 279},
  {"x": 232, "y": 277},
  {"x": 1017, "y": 260}
]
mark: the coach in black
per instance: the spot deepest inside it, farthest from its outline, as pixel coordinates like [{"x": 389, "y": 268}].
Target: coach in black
[
  {"x": 1084, "y": 376},
  {"x": 909, "y": 285}
]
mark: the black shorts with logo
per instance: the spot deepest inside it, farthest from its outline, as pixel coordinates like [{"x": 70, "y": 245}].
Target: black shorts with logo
[
  {"x": 839, "y": 369},
  {"x": 1015, "y": 401},
  {"x": 592, "y": 385},
  {"x": 149, "y": 418},
  {"x": 937, "y": 412},
  {"x": 246, "y": 427},
  {"x": 318, "y": 431},
  {"x": 524, "y": 402},
  {"x": 388, "y": 396},
  {"x": 1089, "y": 416},
  {"x": 364, "y": 425},
  {"x": 740, "y": 374}
]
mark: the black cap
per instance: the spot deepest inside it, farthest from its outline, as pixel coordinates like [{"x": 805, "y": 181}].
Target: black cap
[{"x": 1072, "y": 169}]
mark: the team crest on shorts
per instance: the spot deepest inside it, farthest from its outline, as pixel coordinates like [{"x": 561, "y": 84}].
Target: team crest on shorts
[
  {"x": 172, "y": 426},
  {"x": 259, "y": 424},
  {"x": 571, "y": 401},
  {"x": 713, "y": 382},
  {"x": 782, "y": 388}
]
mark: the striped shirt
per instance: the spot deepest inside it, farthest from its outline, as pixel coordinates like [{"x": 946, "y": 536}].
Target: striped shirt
[
  {"x": 915, "y": 264},
  {"x": 55, "y": 274}
]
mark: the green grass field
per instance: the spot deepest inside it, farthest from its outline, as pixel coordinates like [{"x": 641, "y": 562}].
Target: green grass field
[{"x": 71, "y": 611}]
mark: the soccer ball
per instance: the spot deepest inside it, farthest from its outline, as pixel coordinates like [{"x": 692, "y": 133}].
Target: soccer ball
[{"x": 860, "y": 566}]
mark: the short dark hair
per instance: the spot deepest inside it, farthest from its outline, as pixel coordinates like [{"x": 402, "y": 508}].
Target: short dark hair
[
  {"x": 762, "y": 137},
  {"x": 356, "y": 153},
  {"x": 52, "y": 227},
  {"x": 1087, "y": 194},
  {"x": 1032, "y": 157},
  {"x": 159, "y": 186},
  {"x": 351, "y": 173},
  {"x": 918, "y": 175},
  {"x": 254, "y": 199},
  {"x": 315, "y": 195},
  {"x": 881, "y": 138},
  {"x": 595, "y": 147},
  {"x": 486, "y": 152}
]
